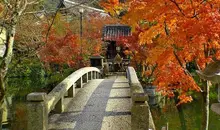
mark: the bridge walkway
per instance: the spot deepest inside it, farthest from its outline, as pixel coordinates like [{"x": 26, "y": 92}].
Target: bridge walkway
[{"x": 102, "y": 104}]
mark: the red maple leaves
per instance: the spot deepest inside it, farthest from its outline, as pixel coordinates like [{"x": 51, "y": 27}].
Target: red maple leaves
[{"x": 172, "y": 33}]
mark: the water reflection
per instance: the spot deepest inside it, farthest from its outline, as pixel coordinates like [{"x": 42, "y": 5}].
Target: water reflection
[
  {"x": 192, "y": 113},
  {"x": 14, "y": 116}
]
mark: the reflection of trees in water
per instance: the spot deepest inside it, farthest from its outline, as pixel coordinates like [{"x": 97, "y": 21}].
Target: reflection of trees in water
[
  {"x": 192, "y": 112},
  {"x": 14, "y": 106}
]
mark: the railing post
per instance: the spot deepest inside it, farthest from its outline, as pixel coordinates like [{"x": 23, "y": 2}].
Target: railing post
[
  {"x": 59, "y": 107},
  {"x": 87, "y": 77},
  {"x": 91, "y": 75},
  {"x": 80, "y": 82},
  {"x": 95, "y": 75},
  {"x": 71, "y": 91},
  {"x": 37, "y": 111}
]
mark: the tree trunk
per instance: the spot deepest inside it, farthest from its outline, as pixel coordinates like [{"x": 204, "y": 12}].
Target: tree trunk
[
  {"x": 5, "y": 64},
  {"x": 205, "y": 107},
  {"x": 2, "y": 90},
  {"x": 17, "y": 9},
  {"x": 180, "y": 112},
  {"x": 1, "y": 113}
]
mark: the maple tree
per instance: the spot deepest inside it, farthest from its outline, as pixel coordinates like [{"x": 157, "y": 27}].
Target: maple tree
[
  {"x": 136, "y": 52},
  {"x": 176, "y": 32},
  {"x": 60, "y": 49},
  {"x": 183, "y": 31},
  {"x": 64, "y": 46}
]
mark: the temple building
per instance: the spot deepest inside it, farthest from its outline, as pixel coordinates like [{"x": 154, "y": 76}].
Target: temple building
[
  {"x": 115, "y": 51},
  {"x": 111, "y": 33}
]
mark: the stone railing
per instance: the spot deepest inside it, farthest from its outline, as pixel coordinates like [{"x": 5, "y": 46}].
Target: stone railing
[
  {"x": 40, "y": 104},
  {"x": 141, "y": 118}
]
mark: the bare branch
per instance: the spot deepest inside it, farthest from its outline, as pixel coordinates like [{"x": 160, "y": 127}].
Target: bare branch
[
  {"x": 34, "y": 2},
  {"x": 195, "y": 14},
  {"x": 181, "y": 64},
  {"x": 167, "y": 31},
  {"x": 8, "y": 5},
  {"x": 34, "y": 12},
  {"x": 23, "y": 7}
]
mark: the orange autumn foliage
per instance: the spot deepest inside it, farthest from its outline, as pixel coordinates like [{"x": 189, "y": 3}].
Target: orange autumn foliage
[
  {"x": 174, "y": 33},
  {"x": 64, "y": 44},
  {"x": 60, "y": 49}
]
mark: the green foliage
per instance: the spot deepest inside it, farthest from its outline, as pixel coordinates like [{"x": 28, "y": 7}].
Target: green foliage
[
  {"x": 213, "y": 94},
  {"x": 20, "y": 87},
  {"x": 27, "y": 75},
  {"x": 26, "y": 67},
  {"x": 147, "y": 80}
]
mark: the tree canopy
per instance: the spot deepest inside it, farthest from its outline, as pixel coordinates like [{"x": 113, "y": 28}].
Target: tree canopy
[{"x": 174, "y": 33}]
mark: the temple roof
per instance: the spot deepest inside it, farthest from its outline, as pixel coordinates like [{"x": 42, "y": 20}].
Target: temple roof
[{"x": 114, "y": 31}]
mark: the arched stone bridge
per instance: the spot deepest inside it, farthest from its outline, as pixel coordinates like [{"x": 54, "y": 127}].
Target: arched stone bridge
[{"x": 86, "y": 101}]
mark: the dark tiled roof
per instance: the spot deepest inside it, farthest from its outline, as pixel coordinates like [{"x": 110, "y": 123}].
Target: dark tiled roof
[
  {"x": 114, "y": 31},
  {"x": 96, "y": 57}
]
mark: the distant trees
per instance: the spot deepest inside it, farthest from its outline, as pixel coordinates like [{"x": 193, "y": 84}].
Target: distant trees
[{"x": 64, "y": 47}]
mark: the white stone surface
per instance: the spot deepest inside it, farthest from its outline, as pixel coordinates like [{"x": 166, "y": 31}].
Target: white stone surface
[
  {"x": 216, "y": 108},
  {"x": 36, "y": 96},
  {"x": 97, "y": 106},
  {"x": 59, "y": 91},
  {"x": 116, "y": 123},
  {"x": 119, "y": 105},
  {"x": 120, "y": 92}
]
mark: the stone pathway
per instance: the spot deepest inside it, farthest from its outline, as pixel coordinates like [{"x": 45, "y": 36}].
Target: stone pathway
[{"x": 102, "y": 104}]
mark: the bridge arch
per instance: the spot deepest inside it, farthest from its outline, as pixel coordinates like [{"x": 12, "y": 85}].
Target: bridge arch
[{"x": 40, "y": 104}]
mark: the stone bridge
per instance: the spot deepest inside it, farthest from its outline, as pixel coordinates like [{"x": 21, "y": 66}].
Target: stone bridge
[{"x": 86, "y": 101}]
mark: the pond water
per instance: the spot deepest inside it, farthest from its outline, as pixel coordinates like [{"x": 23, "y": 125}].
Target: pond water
[
  {"x": 17, "y": 90},
  {"x": 192, "y": 113}
]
